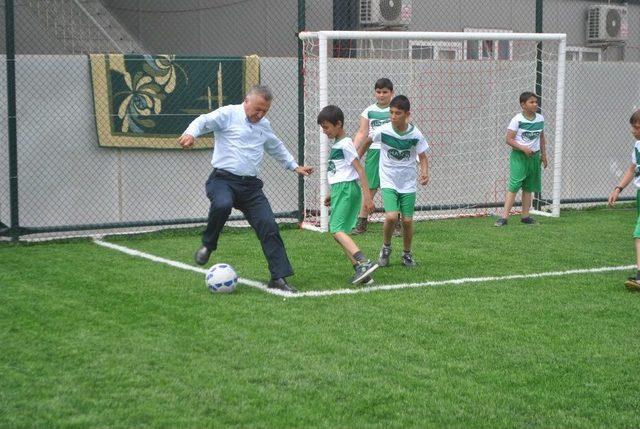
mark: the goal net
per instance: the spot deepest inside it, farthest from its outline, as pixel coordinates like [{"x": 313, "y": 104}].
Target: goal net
[{"x": 463, "y": 88}]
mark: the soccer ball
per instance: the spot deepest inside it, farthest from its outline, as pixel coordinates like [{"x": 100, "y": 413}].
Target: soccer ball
[{"x": 221, "y": 278}]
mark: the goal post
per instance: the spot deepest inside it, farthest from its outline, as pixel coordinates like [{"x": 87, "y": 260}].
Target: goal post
[{"x": 463, "y": 88}]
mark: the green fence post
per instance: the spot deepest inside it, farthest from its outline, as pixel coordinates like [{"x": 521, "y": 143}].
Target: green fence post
[
  {"x": 301, "y": 27},
  {"x": 14, "y": 228},
  {"x": 537, "y": 203}
]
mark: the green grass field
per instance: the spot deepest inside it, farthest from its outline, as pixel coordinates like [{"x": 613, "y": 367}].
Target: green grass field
[{"x": 92, "y": 337}]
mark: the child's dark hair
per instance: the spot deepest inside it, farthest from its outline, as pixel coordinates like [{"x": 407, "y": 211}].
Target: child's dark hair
[
  {"x": 635, "y": 118},
  {"x": 526, "y": 96},
  {"x": 400, "y": 102},
  {"x": 383, "y": 83},
  {"x": 332, "y": 114}
]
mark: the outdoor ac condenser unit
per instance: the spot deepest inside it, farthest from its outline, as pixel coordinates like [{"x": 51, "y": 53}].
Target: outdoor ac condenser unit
[
  {"x": 606, "y": 24},
  {"x": 385, "y": 13}
]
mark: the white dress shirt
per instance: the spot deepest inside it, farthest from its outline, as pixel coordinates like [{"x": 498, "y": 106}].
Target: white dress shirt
[{"x": 239, "y": 144}]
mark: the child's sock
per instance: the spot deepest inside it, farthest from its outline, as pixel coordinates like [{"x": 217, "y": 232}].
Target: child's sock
[
  {"x": 386, "y": 246},
  {"x": 638, "y": 275},
  {"x": 359, "y": 257},
  {"x": 406, "y": 252}
]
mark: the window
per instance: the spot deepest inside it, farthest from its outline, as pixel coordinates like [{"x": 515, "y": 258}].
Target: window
[
  {"x": 434, "y": 50},
  {"x": 576, "y": 53},
  {"x": 488, "y": 49}
]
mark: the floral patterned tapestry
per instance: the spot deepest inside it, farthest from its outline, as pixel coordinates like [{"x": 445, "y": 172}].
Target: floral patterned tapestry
[{"x": 147, "y": 101}]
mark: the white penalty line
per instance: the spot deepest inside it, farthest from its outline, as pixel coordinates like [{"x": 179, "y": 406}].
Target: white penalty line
[{"x": 366, "y": 289}]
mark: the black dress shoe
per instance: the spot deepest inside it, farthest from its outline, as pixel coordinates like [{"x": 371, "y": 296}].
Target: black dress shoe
[
  {"x": 202, "y": 255},
  {"x": 282, "y": 285}
]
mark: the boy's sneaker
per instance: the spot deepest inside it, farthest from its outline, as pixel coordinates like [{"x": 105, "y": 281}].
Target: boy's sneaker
[
  {"x": 528, "y": 220},
  {"x": 500, "y": 222},
  {"x": 385, "y": 253},
  {"x": 361, "y": 226},
  {"x": 363, "y": 270},
  {"x": 632, "y": 284},
  {"x": 407, "y": 260},
  {"x": 367, "y": 281},
  {"x": 397, "y": 231}
]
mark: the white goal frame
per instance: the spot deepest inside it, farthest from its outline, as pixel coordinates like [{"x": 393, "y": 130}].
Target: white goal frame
[{"x": 324, "y": 37}]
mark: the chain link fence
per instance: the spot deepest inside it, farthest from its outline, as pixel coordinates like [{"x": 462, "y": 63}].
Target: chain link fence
[{"x": 95, "y": 149}]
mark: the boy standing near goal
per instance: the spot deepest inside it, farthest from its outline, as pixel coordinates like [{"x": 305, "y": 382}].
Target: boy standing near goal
[
  {"x": 525, "y": 135},
  {"x": 632, "y": 173},
  {"x": 400, "y": 142},
  {"x": 372, "y": 118},
  {"x": 343, "y": 171}
]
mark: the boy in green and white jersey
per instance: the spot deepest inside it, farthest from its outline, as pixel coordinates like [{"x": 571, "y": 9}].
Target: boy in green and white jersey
[
  {"x": 372, "y": 118},
  {"x": 525, "y": 135},
  {"x": 632, "y": 173},
  {"x": 400, "y": 142},
  {"x": 343, "y": 171}
]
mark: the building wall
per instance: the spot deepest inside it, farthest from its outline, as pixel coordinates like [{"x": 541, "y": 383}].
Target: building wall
[{"x": 268, "y": 28}]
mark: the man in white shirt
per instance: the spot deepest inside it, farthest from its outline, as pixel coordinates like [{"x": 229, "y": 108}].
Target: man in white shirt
[{"x": 242, "y": 134}]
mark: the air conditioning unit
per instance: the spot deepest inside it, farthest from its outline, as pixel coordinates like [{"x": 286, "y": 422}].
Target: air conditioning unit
[
  {"x": 385, "y": 13},
  {"x": 607, "y": 24}
]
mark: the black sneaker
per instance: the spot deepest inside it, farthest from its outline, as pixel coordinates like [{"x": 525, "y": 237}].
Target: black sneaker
[
  {"x": 397, "y": 231},
  {"x": 281, "y": 284},
  {"x": 632, "y": 284},
  {"x": 202, "y": 255},
  {"x": 363, "y": 270},
  {"x": 407, "y": 260},
  {"x": 361, "y": 226},
  {"x": 385, "y": 253},
  {"x": 528, "y": 220},
  {"x": 500, "y": 222}
]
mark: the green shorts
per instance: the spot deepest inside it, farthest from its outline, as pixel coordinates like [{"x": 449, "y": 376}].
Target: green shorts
[
  {"x": 524, "y": 172},
  {"x": 372, "y": 168},
  {"x": 636, "y": 232},
  {"x": 346, "y": 198},
  {"x": 394, "y": 201}
]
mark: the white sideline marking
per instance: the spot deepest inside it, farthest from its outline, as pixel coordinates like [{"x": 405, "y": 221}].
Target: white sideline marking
[
  {"x": 462, "y": 281},
  {"x": 177, "y": 264},
  {"x": 366, "y": 289}
]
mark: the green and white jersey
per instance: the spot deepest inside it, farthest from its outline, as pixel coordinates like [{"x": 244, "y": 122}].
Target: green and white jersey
[
  {"x": 527, "y": 130},
  {"x": 377, "y": 116},
  {"x": 398, "y": 151},
  {"x": 635, "y": 159},
  {"x": 340, "y": 166}
]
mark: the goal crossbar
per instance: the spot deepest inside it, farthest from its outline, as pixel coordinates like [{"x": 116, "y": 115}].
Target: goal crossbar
[{"x": 430, "y": 35}]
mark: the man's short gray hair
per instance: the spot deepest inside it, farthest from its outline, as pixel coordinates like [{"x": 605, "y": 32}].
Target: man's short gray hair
[{"x": 262, "y": 91}]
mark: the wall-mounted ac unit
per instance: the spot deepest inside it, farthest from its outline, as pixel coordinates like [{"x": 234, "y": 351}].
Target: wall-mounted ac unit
[
  {"x": 607, "y": 24},
  {"x": 385, "y": 13}
]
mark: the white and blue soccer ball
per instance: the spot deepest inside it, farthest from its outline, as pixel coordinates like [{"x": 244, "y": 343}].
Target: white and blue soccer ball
[{"x": 221, "y": 278}]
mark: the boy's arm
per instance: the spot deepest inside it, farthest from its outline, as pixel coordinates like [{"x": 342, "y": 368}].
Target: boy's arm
[
  {"x": 364, "y": 184},
  {"x": 543, "y": 150},
  {"x": 627, "y": 177},
  {"x": 362, "y": 134},
  {"x": 511, "y": 141},
  {"x": 362, "y": 149},
  {"x": 424, "y": 168}
]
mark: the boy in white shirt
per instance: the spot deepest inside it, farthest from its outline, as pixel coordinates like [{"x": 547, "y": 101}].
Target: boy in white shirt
[
  {"x": 632, "y": 173},
  {"x": 372, "y": 118},
  {"x": 400, "y": 142},
  {"x": 343, "y": 171},
  {"x": 525, "y": 135}
]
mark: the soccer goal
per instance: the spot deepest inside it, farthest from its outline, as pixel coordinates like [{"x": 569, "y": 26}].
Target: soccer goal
[{"x": 464, "y": 89}]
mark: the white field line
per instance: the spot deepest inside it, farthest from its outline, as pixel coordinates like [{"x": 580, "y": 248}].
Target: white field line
[
  {"x": 176, "y": 264},
  {"x": 366, "y": 289}
]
